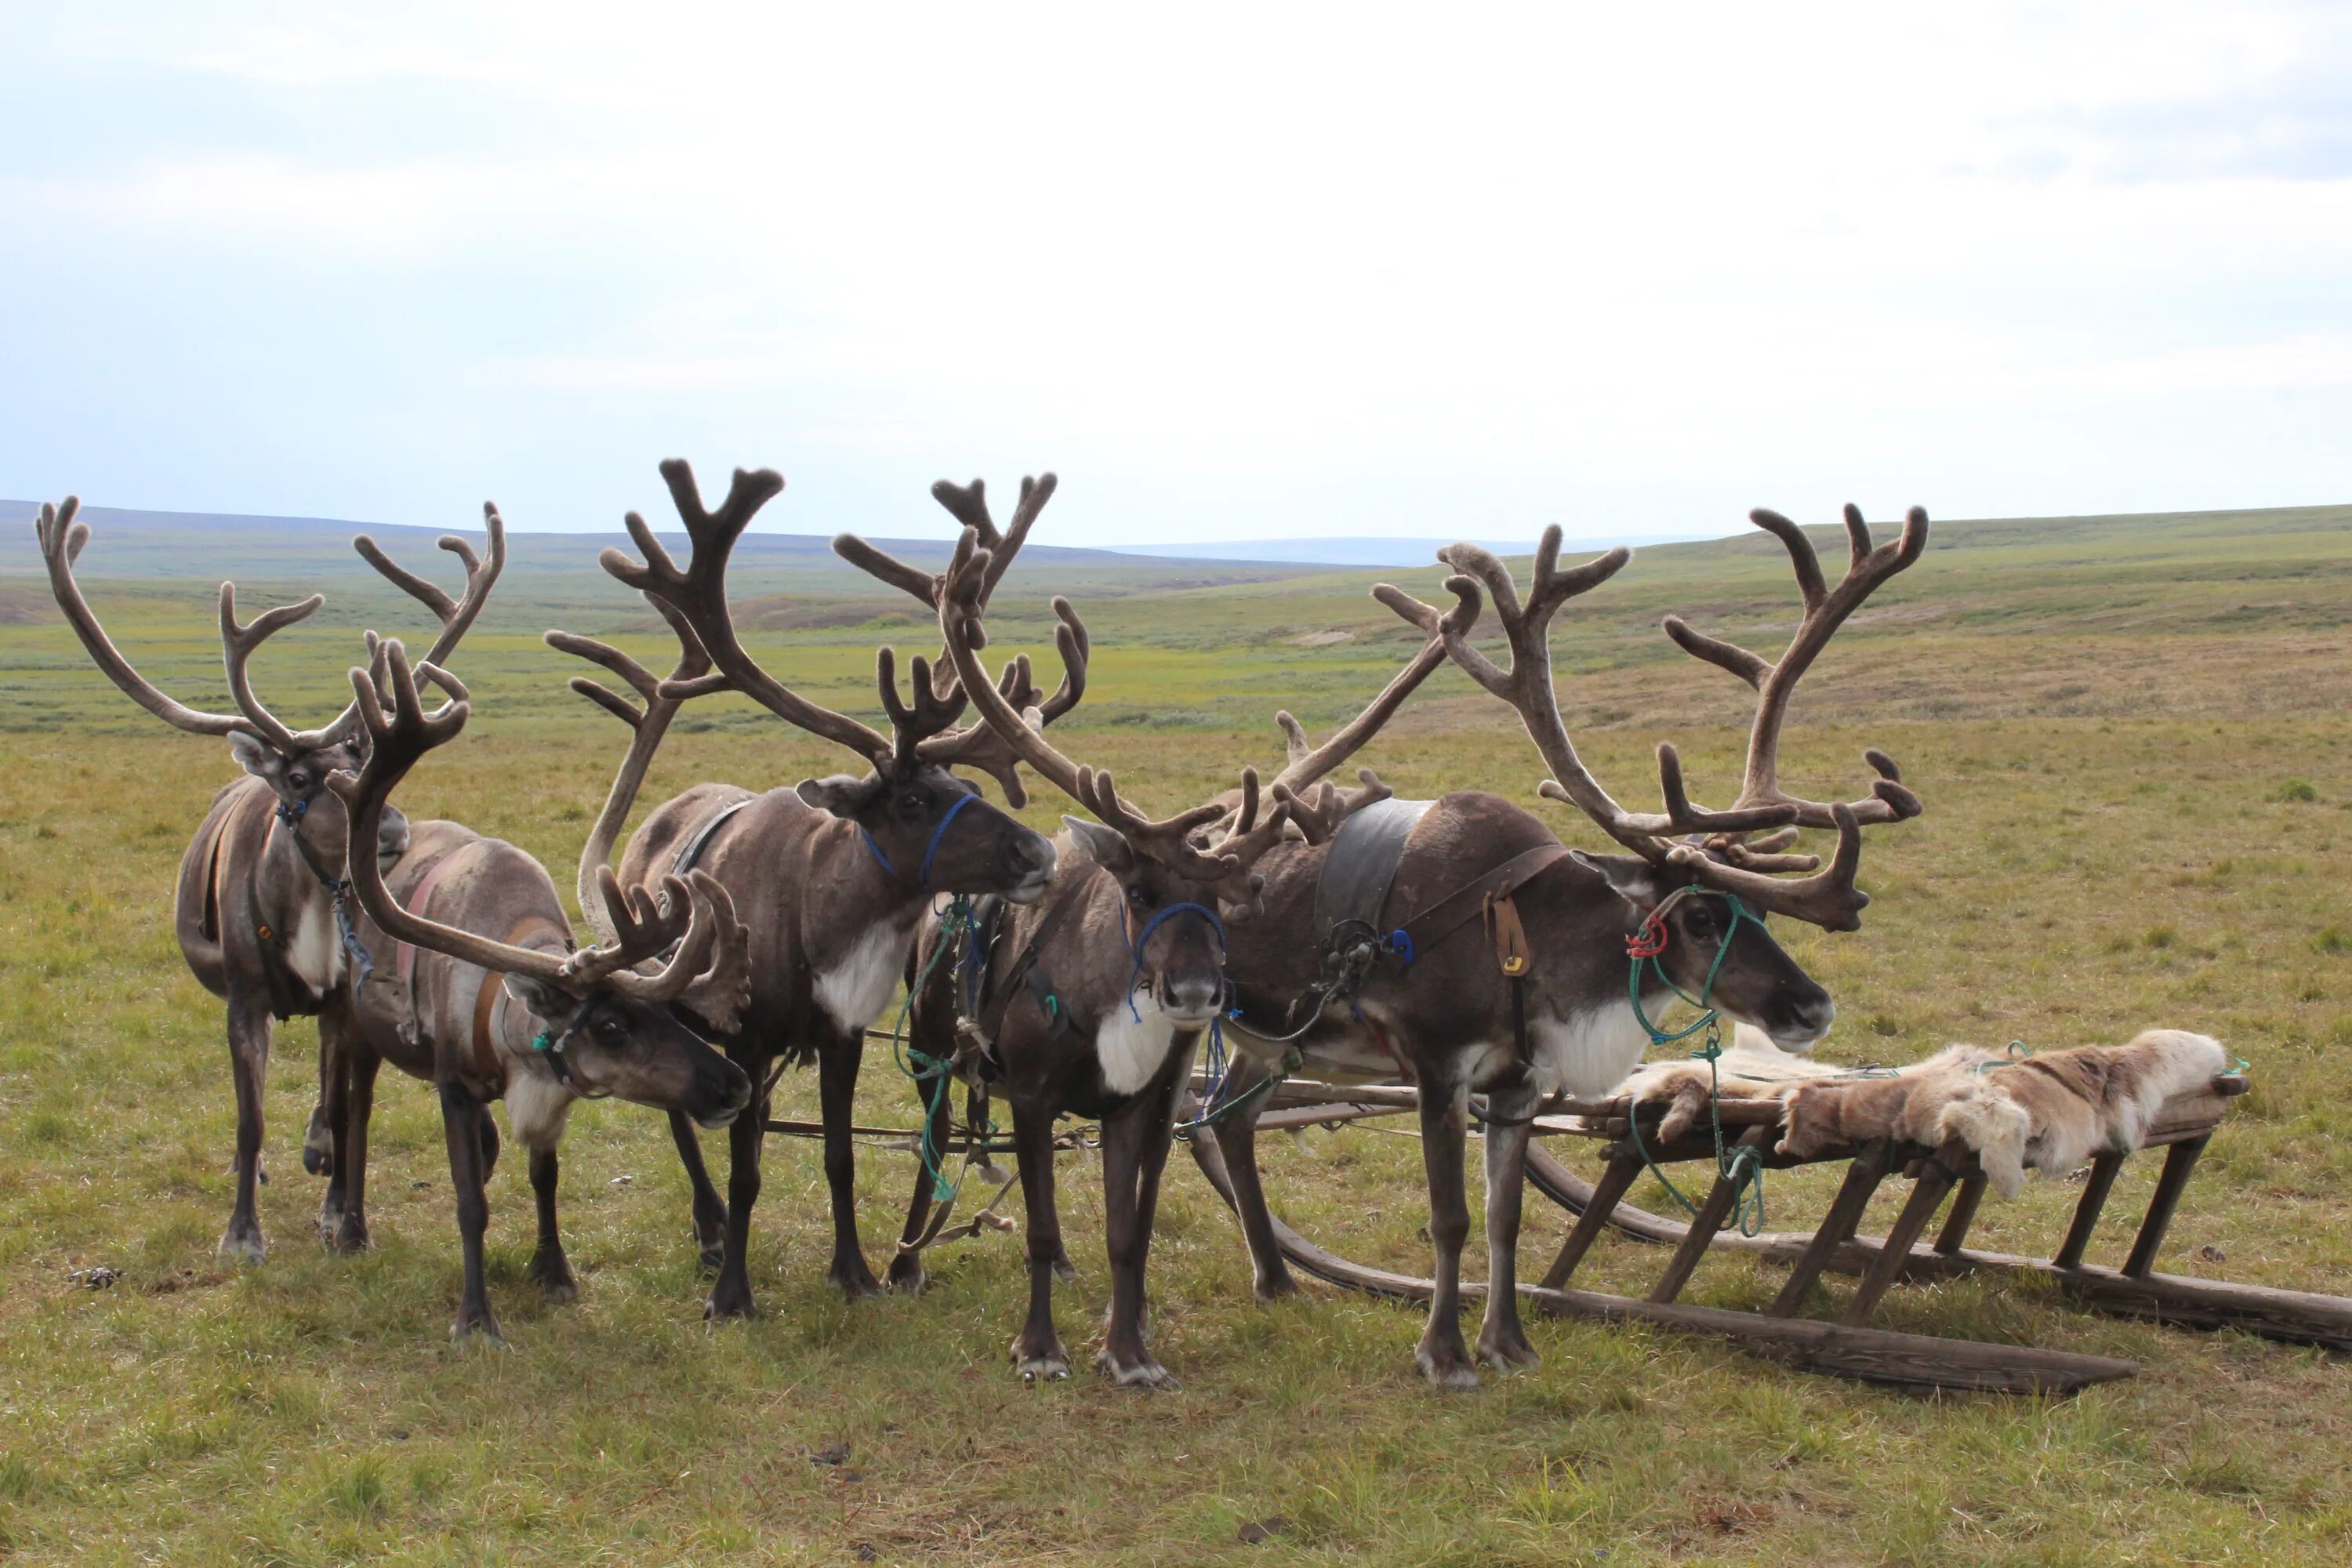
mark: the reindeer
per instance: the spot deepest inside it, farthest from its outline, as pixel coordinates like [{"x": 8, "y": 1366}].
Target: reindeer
[
  {"x": 832, "y": 875},
  {"x": 1091, "y": 1001},
  {"x": 522, "y": 1015},
  {"x": 263, "y": 909},
  {"x": 1447, "y": 1010}
]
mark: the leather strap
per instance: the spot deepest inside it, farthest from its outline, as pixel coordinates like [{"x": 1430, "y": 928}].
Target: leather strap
[
  {"x": 485, "y": 1051},
  {"x": 1024, "y": 970},
  {"x": 1450, "y": 913},
  {"x": 1361, "y": 864},
  {"x": 1501, "y": 918},
  {"x": 691, "y": 850}
]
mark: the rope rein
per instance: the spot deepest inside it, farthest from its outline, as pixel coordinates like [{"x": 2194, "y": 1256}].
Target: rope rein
[{"x": 1742, "y": 1166}]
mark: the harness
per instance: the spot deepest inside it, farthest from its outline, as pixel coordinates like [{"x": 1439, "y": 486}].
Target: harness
[
  {"x": 691, "y": 850},
  {"x": 930, "y": 851},
  {"x": 1740, "y": 1165},
  {"x": 346, "y": 928}
]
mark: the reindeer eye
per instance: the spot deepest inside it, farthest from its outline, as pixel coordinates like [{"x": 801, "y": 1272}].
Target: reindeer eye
[
  {"x": 1137, "y": 897},
  {"x": 912, "y": 805},
  {"x": 297, "y": 780}
]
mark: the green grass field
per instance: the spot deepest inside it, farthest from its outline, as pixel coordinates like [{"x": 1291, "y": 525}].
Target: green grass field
[{"x": 2133, "y": 739}]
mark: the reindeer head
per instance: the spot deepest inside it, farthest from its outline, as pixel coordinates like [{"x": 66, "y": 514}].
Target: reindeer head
[
  {"x": 602, "y": 1025},
  {"x": 1698, "y": 882},
  {"x": 294, "y": 763},
  {"x": 926, "y": 828}
]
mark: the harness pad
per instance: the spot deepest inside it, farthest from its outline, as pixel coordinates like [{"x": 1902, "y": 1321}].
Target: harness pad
[{"x": 1361, "y": 866}]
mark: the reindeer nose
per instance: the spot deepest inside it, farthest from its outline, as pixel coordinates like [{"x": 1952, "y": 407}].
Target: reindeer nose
[
  {"x": 1193, "y": 997},
  {"x": 1036, "y": 855},
  {"x": 1814, "y": 1013}
]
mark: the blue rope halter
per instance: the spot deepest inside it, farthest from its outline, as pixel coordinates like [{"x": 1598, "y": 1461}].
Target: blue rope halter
[{"x": 931, "y": 854}]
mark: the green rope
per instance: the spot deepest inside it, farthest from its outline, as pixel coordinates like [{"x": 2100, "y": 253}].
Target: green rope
[
  {"x": 1742, "y": 1166},
  {"x": 956, "y": 926}
]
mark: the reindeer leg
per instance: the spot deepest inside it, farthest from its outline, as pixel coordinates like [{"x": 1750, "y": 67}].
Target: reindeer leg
[
  {"x": 548, "y": 1266},
  {"x": 1502, "y": 1341},
  {"x": 1442, "y": 1356},
  {"x": 461, "y": 1125},
  {"x": 1038, "y": 1353},
  {"x": 327, "y": 1118},
  {"x": 730, "y": 1294},
  {"x": 906, "y": 1272},
  {"x": 327, "y": 1115},
  {"x": 837, "y": 1061},
  {"x": 248, "y": 1057},
  {"x": 1135, "y": 1153},
  {"x": 1237, "y": 1142},
  {"x": 360, "y": 1063},
  {"x": 709, "y": 1210}
]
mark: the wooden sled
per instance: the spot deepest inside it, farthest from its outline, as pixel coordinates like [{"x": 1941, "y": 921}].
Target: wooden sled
[{"x": 1850, "y": 1347}]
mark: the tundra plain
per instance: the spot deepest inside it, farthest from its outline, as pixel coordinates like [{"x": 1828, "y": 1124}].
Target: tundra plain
[{"x": 2134, "y": 737}]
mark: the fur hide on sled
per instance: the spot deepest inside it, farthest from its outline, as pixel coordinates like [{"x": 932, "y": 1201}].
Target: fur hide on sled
[{"x": 2047, "y": 1113}]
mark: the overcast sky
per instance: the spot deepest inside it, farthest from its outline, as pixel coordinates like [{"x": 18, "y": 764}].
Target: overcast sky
[{"x": 1233, "y": 273}]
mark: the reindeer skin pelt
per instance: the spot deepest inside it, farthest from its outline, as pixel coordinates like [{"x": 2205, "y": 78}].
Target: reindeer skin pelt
[{"x": 2047, "y": 1113}]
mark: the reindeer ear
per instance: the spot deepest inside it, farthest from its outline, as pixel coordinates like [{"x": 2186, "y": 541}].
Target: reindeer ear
[
  {"x": 256, "y": 756},
  {"x": 1632, "y": 877},
  {"x": 837, "y": 793},
  {"x": 1106, "y": 847},
  {"x": 545, "y": 1000}
]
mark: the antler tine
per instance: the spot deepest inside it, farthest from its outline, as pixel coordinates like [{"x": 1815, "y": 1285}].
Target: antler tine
[
  {"x": 238, "y": 646},
  {"x": 1826, "y": 609},
  {"x": 933, "y": 710},
  {"x": 62, "y": 536},
  {"x": 643, "y": 926},
  {"x": 648, "y": 726},
  {"x": 1320, "y": 815},
  {"x": 1307, "y": 764},
  {"x": 455, "y": 616},
  {"x": 720, "y": 994},
  {"x": 967, "y": 504},
  {"x": 699, "y": 593},
  {"x": 1828, "y": 899},
  {"x": 399, "y": 733},
  {"x": 1527, "y": 686},
  {"x": 979, "y": 745}
]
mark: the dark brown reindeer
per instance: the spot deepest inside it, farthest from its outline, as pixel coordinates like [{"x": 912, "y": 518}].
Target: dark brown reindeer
[
  {"x": 520, "y": 1014},
  {"x": 262, "y": 916},
  {"x": 1437, "y": 1004},
  {"x": 1090, "y": 1002},
  {"x": 831, "y": 875}
]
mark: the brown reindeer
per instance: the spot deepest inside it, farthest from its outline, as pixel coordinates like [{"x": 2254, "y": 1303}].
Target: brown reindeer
[
  {"x": 832, "y": 875},
  {"x": 520, "y": 1015},
  {"x": 1090, "y": 1002},
  {"x": 1437, "y": 1002},
  {"x": 263, "y": 912}
]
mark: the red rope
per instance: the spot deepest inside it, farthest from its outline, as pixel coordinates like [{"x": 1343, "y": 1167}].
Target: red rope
[{"x": 1650, "y": 938}]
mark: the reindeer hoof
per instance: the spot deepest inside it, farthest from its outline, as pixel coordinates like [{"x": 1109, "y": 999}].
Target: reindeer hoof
[
  {"x": 729, "y": 1304},
  {"x": 555, "y": 1281},
  {"x": 243, "y": 1246},
  {"x": 1274, "y": 1287},
  {"x": 713, "y": 1257},
  {"x": 481, "y": 1330},
  {"x": 349, "y": 1238},
  {"x": 1140, "y": 1372},
  {"x": 1447, "y": 1368},
  {"x": 1051, "y": 1364},
  {"x": 1065, "y": 1270},
  {"x": 316, "y": 1160},
  {"x": 1507, "y": 1355},
  {"x": 852, "y": 1279},
  {"x": 906, "y": 1277}
]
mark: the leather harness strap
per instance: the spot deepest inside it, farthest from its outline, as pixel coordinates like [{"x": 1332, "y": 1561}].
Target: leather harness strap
[
  {"x": 485, "y": 1051},
  {"x": 1025, "y": 973},
  {"x": 1450, "y": 913},
  {"x": 691, "y": 850}
]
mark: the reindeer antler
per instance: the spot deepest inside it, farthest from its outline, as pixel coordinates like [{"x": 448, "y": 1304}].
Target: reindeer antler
[
  {"x": 1223, "y": 863},
  {"x": 647, "y": 725},
  {"x": 1726, "y": 862},
  {"x": 401, "y": 732},
  {"x": 62, "y": 538},
  {"x": 977, "y": 745},
  {"x": 698, "y": 592}
]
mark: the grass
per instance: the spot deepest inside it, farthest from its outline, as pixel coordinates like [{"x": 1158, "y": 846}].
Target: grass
[{"x": 2122, "y": 855}]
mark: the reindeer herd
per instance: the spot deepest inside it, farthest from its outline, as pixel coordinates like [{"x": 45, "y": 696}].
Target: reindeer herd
[{"x": 1456, "y": 944}]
